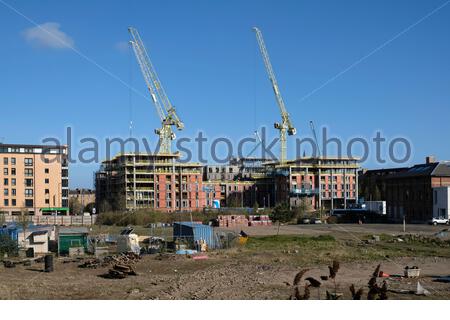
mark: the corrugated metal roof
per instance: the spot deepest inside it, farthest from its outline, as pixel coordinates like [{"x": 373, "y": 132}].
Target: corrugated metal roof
[
  {"x": 442, "y": 170},
  {"x": 74, "y": 230}
]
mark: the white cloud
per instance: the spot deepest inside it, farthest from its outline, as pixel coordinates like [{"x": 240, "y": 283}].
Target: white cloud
[
  {"x": 122, "y": 46},
  {"x": 48, "y": 35}
]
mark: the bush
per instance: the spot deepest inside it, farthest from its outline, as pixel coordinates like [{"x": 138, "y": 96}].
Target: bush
[
  {"x": 8, "y": 246},
  {"x": 282, "y": 213}
]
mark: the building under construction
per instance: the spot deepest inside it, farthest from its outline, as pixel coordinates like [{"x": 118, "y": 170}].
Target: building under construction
[
  {"x": 135, "y": 181},
  {"x": 159, "y": 181}
]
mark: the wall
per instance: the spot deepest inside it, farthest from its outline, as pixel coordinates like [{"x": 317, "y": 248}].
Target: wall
[{"x": 441, "y": 201}]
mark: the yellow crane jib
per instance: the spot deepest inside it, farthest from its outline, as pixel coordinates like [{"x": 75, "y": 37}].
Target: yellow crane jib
[
  {"x": 166, "y": 111},
  {"x": 285, "y": 127}
]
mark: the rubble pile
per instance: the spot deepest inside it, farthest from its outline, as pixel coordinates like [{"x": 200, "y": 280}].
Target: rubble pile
[{"x": 121, "y": 265}]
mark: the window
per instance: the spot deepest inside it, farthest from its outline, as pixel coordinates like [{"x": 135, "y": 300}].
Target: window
[
  {"x": 28, "y": 192},
  {"x": 6, "y": 202},
  {"x": 29, "y": 182},
  {"x": 47, "y": 170},
  {"x": 13, "y": 181},
  {"x": 28, "y": 202},
  {"x": 46, "y": 160},
  {"x": 47, "y": 181},
  {"x": 13, "y": 192},
  {"x": 5, "y": 182},
  {"x": 6, "y": 192},
  {"x": 5, "y": 171},
  {"x": 47, "y": 191},
  {"x": 5, "y": 161},
  {"x": 28, "y": 172},
  {"x": 13, "y": 161},
  {"x": 47, "y": 201},
  {"x": 13, "y": 202},
  {"x": 28, "y": 162},
  {"x": 13, "y": 171}
]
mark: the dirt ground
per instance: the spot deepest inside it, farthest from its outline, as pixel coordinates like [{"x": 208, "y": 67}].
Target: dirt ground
[
  {"x": 219, "y": 277},
  {"x": 263, "y": 269}
]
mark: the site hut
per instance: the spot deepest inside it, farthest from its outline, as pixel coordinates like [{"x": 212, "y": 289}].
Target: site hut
[
  {"x": 193, "y": 233},
  {"x": 72, "y": 238},
  {"x": 441, "y": 203},
  {"x": 32, "y": 237}
]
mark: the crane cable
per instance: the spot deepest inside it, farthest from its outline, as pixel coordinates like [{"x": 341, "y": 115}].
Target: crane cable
[{"x": 130, "y": 93}]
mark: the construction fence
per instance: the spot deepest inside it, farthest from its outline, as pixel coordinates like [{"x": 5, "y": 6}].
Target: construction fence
[{"x": 55, "y": 220}]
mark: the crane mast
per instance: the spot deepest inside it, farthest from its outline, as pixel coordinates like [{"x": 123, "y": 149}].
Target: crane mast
[
  {"x": 166, "y": 111},
  {"x": 285, "y": 127}
]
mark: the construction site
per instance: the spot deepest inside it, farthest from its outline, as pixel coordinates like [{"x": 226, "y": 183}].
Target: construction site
[
  {"x": 239, "y": 254},
  {"x": 158, "y": 181},
  {"x": 155, "y": 227}
]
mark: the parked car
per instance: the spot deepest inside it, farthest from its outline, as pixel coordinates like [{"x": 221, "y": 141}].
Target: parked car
[{"x": 441, "y": 220}]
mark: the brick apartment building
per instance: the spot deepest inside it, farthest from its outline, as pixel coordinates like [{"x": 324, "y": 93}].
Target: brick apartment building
[
  {"x": 325, "y": 183},
  {"x": 408, "y": 191},
  {"x": 33, "y": 178},
  {"x": 132, "y": 181},
  {"x": 136, "y": 181}
]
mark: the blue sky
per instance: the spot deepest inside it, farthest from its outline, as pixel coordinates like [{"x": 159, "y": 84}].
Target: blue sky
[{"x": 208, "y": 61}]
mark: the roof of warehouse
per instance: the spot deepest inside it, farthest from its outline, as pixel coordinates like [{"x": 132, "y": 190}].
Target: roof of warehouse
[
  {"x": 442, "y": 169},
  {"x": 419, "y": 170}
]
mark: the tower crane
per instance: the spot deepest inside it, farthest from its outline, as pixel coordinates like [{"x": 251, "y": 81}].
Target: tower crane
[
  {"x": 285, "y": 127},
  {"x": 166, "y": 111}
]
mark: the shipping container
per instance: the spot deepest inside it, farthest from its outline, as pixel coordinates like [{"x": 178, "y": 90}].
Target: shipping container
[{"x": 194, "y": 232}]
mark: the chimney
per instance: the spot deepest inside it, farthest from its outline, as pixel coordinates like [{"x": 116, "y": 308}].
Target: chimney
[{"x": 430, "y": 159}]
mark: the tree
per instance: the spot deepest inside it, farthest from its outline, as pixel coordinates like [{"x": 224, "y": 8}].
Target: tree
[
  {"x": 7, "y": 246},
  {"x": 282, "y": 213},
  {"x": 303, "y": 208},
  {"x": 75, "y": 206},
  {"x": 23, "y": 221}
]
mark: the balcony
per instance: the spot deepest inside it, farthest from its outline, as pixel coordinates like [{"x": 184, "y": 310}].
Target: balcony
[{"x": 304, "y": 191}]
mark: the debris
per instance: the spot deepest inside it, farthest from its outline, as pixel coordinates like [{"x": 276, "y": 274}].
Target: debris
[
  {"x": 200, "y": 257},
  {"x": 9, "y": 264},
  {"x": 334, "y": 296},
  {"x": 383, "y": 275},
  {"x": 412, "y": 272},
  {"x": 443, "y": 279},
  {"x": 421, "y": 291}
]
